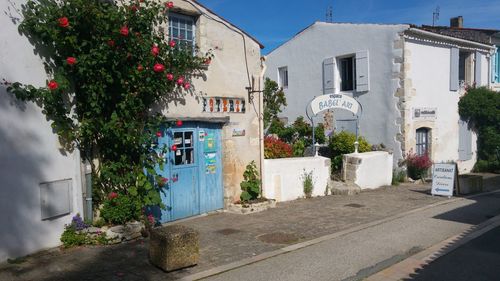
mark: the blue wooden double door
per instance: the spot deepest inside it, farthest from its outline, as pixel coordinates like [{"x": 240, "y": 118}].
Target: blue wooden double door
[{"x": 193, "y": 169}]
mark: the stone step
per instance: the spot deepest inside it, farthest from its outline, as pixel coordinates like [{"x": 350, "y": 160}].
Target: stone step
[{"x": 343, "y": 188}]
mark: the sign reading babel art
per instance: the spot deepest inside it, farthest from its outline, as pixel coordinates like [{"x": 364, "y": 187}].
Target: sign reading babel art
[
  {"x": 326, "y": 102},
  {"x": 219, "y": 104}
]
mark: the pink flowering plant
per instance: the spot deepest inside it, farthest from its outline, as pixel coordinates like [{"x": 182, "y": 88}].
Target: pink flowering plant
[
  {"x": 109, "y": 65},
  {"x": 417, "y": 165}
]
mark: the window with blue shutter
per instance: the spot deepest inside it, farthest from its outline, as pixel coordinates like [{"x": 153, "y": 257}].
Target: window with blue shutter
[
  {"x": 329, "y": 76},
  {"x": 454, "y": 73},
  {"x": 464, "y": 141},
  {"x": 362, "y": 69},
  {"x": 477, "y": 70}
]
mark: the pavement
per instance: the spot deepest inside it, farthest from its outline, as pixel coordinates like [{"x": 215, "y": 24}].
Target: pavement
[{"x": 351, "y": 234}]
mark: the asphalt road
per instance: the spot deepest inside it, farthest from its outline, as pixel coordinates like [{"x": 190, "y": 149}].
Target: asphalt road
[{"x": 360, "y": 254}]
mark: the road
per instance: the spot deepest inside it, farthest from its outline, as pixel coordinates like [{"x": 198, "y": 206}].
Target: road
[{"x": 357, "y": 255}]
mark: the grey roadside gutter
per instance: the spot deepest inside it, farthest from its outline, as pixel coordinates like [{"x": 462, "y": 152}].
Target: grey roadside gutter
[{"x": 227, "y": 267}]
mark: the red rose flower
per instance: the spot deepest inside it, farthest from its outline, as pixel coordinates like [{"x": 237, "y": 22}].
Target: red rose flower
[
  {"x": 124, "y": 30},
  {"x": 159, "y": 134},
  {"x": 187, "y": 85},
  {"x": 155, "y": 50},
  {"x": 111, "y": 43},
  {"x": 134, "y": 8},
  {"x": 140, "y": 68},
  {"x": 174, "y": 148},
  {"x": 63, "y": 22},
  {"x": 164, "y": 180},
  {"x": 208, "y": 61},
  {"x": 170, "y": 76},
  {"x": 71, "y": 60},
  {"x": 112, "y": 195},
  {"x": 180, "y": 80},
  {"x": 178, "y": 123},
  {"x": 172, "y": 43},
  {"x": 169, "y": 4},
  {"x": 52, "y": 85},
  {"x": 158, "y": 67}
]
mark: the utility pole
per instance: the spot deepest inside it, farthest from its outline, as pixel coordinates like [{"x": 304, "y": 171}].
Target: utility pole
[
  {"x": 435, "y": 16},
  {"x": 329, "y": 14}
]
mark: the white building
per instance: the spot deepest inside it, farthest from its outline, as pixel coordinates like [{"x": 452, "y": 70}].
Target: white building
[{"x": 408, "y": 81}]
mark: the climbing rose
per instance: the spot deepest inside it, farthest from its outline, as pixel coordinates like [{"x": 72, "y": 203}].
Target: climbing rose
[
  {"x": 112, "y": 195},
  {"x": 133, "y": 8},
  {"x": 155, "y": 50},
  {"x": 170, "y": 76},
  {"x": 179, "y": 123},
  {"x": 158, "y": 67},
  {"x": 208, "y": 60},
  {"x": 172, "y": 43},
  {"x": 180, "y": 81},
  {"x": 187, "y": 85},
  {"x": 63, "y": 22},
  {"x": 174, "y": 147},
  {"x": 124, "y": 30},
  {"x": 111, "y": 43},
  {"x": 140, "y": 68},
  {"x": 158, "y": 134},
  {"x": 52, "y": 85},
  {"x": 71, "y": 60},
  {"x": 169, "y": 4}
]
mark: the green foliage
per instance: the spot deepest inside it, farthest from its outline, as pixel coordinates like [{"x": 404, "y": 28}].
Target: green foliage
[
  {"x": 307, "y": 183},
  {"x": 299, "y": 148},
  {"x": 109, "y": 66},
  {"x": 72, "y": 238},
  {"x": 251, "y": 185},
  {"x": 274, "y": 99},
  {"x": 398, "y": 176},
  {"x": 299, "y": 130},
  {"x": 481, "y": 108},
  {"x": 121, "y": 209},
  {"x": 343, "y": 143}
]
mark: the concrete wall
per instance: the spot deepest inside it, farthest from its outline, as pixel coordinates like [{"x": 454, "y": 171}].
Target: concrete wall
[
  {"x": 368, "y": 170},
  {"x": 226, "y": 77},
  {"x": 427, "y": 79},
  {"x": 284, "y": 178},
  {"x": 304, "y": 55},
  {"x": 29, "y": 151}
]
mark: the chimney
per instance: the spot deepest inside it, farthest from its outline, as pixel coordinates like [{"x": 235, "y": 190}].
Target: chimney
[{"x": 457, "y": 22}]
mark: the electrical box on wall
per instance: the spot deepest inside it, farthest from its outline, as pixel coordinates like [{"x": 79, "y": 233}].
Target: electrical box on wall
[{"x": 55, "y": 198}]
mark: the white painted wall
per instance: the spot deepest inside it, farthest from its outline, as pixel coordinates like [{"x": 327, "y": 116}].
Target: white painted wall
[
  {"x": 374, "y": 169},
  {"x": 29, "y": 151},
  {"x": 283, "y": 180},
  {"x": 304, "y": 55},
  {"x": 429, "y": 72}
]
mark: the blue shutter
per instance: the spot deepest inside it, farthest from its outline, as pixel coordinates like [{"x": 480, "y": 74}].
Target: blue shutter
[
  {"x": 477, "y": 69},
  {"x": 454, "y": 85},
  {"x": 362, "y": 72},
  {"x": 464, "y": 141},
  {"x": 329, "y": 76}
]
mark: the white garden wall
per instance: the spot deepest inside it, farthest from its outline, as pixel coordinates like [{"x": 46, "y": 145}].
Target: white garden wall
[
  {"x": 368, "y": 170},
  {"x": 283, "y": 178}
]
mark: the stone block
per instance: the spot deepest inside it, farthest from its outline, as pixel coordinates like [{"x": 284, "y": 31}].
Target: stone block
[{"x": 174, "y": 247}]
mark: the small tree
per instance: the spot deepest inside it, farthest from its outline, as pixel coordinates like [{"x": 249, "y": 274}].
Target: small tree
[
  {"x": 274, "y": 99},
  {"x": 109, "y": 66}
]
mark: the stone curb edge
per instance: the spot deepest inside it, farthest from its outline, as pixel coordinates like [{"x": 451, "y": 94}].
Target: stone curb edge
[
  {"x": 227, "y": 267},
  {"x": 406, "y": 267}
]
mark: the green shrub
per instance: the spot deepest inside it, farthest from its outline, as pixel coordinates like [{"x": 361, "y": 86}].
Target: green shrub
[
  {"x": 251, "y": 184},
  {"x": 299, "y": 148},
  {"x": 120, "y": 208},
  {"x": 299, "y": 130},
  {"x": 343, "y": 143},
  {"x": 307, "y": 182},
  {"x": 72, "y": 238}
]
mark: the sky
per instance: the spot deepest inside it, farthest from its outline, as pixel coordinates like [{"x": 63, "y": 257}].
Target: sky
[{"x": 273, "y": 22}]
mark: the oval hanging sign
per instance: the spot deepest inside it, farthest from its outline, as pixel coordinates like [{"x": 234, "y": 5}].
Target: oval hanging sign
[{"x": 325, "y": 102}]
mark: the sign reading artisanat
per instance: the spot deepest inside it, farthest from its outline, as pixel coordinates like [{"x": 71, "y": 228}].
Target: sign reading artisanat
[
  {"x": 444, "y": 179},
  {"x": 219, "y": 104},
  {"x": 424, "y": 113},
  {"x": 325, "y": 102}
]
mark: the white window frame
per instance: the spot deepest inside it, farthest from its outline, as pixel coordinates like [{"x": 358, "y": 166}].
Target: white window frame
[
  {"x": 283, "y": 77},
  {"x": 181, "y": 38}
]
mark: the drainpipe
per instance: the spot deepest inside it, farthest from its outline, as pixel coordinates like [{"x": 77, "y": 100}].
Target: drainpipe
[{"x": 263, "y": 68}]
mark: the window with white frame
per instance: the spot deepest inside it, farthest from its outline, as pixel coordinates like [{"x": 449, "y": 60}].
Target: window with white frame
[
  {"x": 347, "y": 69},
  {"x": 283, "y": 77},
  {"x": 182, "y": 29}
]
